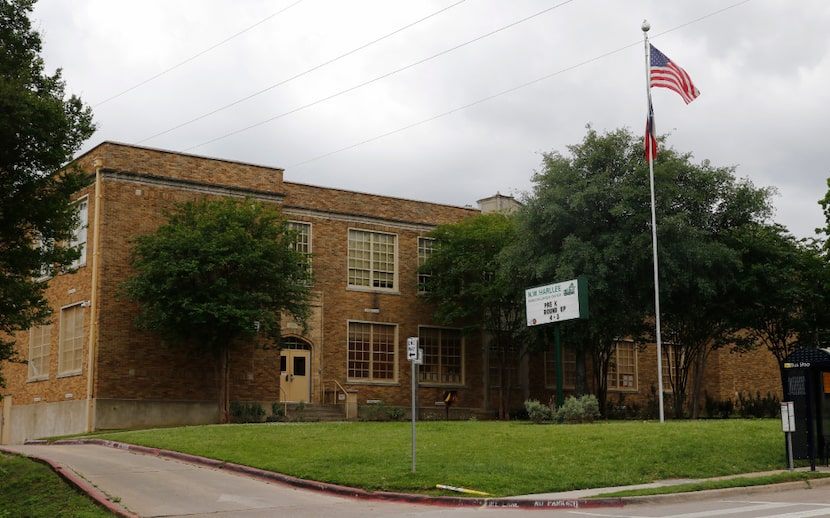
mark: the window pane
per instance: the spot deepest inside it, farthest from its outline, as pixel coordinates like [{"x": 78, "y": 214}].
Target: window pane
[
  {"x": 372, "y": 259},
  {"x": 39, "y": 351},
  {"x": 70, "y": 356}
]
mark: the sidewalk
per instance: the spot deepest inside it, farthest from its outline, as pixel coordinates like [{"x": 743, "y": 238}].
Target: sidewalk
[{"x": 138, "y": 481}]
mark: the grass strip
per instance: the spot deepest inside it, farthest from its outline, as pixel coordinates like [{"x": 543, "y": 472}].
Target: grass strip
[
  {"x": 502, "y": 459},
  {"x": 31, "y": 489}
]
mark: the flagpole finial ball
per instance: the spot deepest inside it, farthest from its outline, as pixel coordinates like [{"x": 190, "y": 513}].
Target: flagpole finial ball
[{"x": 646, "y": 26}]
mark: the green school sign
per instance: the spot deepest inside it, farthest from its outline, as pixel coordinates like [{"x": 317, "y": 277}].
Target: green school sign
[{"x": 557, "y": 302}]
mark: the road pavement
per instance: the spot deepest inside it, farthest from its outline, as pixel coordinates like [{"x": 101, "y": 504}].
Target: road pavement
[{"x": 143, "y": 482}]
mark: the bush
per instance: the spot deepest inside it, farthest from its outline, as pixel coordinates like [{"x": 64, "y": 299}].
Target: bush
[
  {"x": 246, "y": 412},
  {"x": 579, "y": 410},
  {"x": 718, "y": 409},
  {"x": 759, "y": 407},
  {"x": 536, "y": 411}
]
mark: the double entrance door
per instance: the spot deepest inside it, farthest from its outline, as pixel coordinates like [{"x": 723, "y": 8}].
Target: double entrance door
[{"x": 295, "y": 371}]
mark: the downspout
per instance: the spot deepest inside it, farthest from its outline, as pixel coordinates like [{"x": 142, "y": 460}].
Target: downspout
[{"x": 94, "y": 312}]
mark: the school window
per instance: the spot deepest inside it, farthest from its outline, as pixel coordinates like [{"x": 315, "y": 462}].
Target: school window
[
  {"x": 70, "y": 354},
  {"x": 443, "y": 356},
  {"x": 43, "y": 245},
  {"x": 669, "y": 360},
  {"x": 303, "y": 239},
  {"x": 568, "y": 369},
  {"x": 503, "y": 366},
  {"x": 78, "y": 239},
  {"x": 371, "y": 354},
  {"x": 425, "y": 246},
  {"x": 39, "y": 337},
  {"x": 372, "y": 258},
  {"x": 622, "y": 367}
]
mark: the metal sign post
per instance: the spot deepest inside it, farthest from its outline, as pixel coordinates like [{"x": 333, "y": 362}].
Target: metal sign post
[
  {"x": 413, "y": 354},
  {"x": 555, "y": 303},
  {"x": 788, "y": 425}
]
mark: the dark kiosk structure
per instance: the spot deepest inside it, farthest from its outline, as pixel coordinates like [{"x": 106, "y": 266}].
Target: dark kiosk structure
[{"x": 806, "y": 378}]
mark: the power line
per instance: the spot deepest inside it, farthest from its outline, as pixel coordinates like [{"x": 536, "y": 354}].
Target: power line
[
  {"x": 312, "y": 69},
  {"x": 378, "y": 78},
  {"x": 197, "y": 55},
  {"x": 510, "y": 90}
]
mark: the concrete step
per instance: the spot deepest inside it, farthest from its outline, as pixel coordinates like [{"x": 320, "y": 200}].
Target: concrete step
[{"x": 313, "y": 412}]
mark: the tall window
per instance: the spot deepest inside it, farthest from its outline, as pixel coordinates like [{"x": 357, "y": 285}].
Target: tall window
[
  {"x": 425, "y": 245},
  {"x": 39, "y": 337},
  {"x": 503, "y": 364},
  {"x": 372, "y": 257},
  {"x": 669, "y": 362},
  {"x": 443, "y": 355},
  {"x": 303, "y": 243},
  {"x": 568, "y": 368},
  {"x": 70, "y": 355},
  {"x": 371, "y": 352},
  {"x": 622, "y": 369},
  {"x": 78, "y": 239},
  {"x": 46, "y": 270}
]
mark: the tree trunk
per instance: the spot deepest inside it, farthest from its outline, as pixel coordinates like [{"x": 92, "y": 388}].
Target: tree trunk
[
  {"x": 580, "y": 378},
  {"x": 224, "y": 386}
]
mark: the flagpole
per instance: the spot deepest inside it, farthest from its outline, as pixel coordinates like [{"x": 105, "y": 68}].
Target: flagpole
[{"x": 645, "y": 28}]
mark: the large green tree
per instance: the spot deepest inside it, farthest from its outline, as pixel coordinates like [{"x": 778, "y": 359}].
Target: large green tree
[
  {"x": 588, "y": 214},
  {"x": 218, "y": 274},
  {"x": 40, "y": 129},
  {"x": 786, "y": 281},
  {"x": 468, "y": 287},
  {"x": 701, "y": 209}
]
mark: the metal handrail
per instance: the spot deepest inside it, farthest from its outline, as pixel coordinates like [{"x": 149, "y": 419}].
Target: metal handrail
[{"x": 339, "y": 388}]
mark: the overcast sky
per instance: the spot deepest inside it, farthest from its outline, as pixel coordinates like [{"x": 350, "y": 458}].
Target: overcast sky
[{"x": 450, "y": 101}]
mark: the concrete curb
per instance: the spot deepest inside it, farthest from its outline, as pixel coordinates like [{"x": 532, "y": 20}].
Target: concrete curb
[
  {"x": 725, "y": 492},
  {"x": 334, "y": 489}
]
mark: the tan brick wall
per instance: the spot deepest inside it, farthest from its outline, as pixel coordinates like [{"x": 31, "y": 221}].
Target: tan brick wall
[
  {"x": 133, "y": 365},
  {"x": 64, "y": 290}
]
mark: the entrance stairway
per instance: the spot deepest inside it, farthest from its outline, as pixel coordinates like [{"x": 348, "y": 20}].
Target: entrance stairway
[{"x": 314, "y": 412}]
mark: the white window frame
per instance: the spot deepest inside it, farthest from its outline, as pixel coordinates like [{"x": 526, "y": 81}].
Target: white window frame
[
  {"x": 434, "y": 372},
  {"x": 40, "y": 337},
  {"x": 374, "y": 276},
  {"x": 303, "y": 230},
  {"x": 69, "y": 335},
  {"x": 425, "y": 248},
  {"x": 79, "y": 235},
  {"x": 621, "y": 382},
  {"x": 371, "y": 379}
]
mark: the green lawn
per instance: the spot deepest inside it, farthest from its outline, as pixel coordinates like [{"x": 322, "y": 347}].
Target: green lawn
[
  {"x": 31, "y": 489},
  {"x": 496, "y": 457}
]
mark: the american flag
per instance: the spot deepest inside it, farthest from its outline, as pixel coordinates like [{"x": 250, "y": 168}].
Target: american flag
[
  {"x": 665, "y": 74},
  {"x": 651, "y": 139}
]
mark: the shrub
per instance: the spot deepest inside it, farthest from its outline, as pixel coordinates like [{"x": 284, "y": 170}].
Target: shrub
[
  {"x": 579, "y": 410},
  {"x": 718, "y": 409},
  {"x": 536, "y": 411},
  {"x": 246, "y": 412},
  {"x": 767, "y": 406}
]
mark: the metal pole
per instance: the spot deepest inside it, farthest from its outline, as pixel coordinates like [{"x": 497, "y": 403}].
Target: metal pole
[
  {"x": 557, "y": 350},
  {"x": 413, "y": 414},
  {"x": 657, "y": 332}
]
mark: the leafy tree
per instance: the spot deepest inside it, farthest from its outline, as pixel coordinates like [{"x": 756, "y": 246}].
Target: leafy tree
[
  {"x": 701, "y": 208},
  {"x": 40, "y": 129},
  {"x": 588, "y": 215},
  {"x": 786, "y": 282},
  {"x": 467, "y": 286},
  {"x": 214, "y": 275}
]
